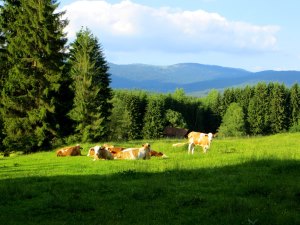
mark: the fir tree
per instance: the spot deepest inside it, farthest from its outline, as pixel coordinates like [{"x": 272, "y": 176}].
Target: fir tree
[
  {"x": 135, "y": 111},
  {"x": 295, "y": 106},
  {"x": 233, "y": 123},
  {"x": 258, "y": 109},
  {"x": 228, "y": 98},
  {"x": 278, "y": 108},
  {"x": 35, "y": 43},
  {"x": 154, "y": 120},
  {"x": 92, "y": 102}
]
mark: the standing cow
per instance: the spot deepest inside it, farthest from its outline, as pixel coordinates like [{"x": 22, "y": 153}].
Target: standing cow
[{"x": 201, "y": 139}]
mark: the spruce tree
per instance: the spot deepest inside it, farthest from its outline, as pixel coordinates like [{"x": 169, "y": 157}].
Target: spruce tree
[
  {"x": 154, "y": 120},
  {"x": 233, "y": 123},
  {"x": 92, "y": 102},
  {"x": 135, "y": 110},
  {"x": 278, "y": 110},
  {"x": 228, "y": 98},
  {"x": 295, "y": 106},
  {"x": 258, "y": 110},
  {"x": 35, "y": 44},
  {"x": 3, "y": 74}
]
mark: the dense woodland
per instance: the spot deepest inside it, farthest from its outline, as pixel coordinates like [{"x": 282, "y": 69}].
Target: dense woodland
[{"x": 53, "y": 93}]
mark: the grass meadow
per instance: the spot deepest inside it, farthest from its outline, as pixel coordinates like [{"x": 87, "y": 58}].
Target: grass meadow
[{"x": 239, "y": 181}]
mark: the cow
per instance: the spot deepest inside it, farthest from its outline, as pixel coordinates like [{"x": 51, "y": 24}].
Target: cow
[
  {"x": 157, "y": 154},
  {"x": 135, "y": 153},
  {"x": 100, "y": 152},
  {"x": 201, "y": 139},
  {"x": 115, "y": 150},
  {"x": 69, "y": 151}
]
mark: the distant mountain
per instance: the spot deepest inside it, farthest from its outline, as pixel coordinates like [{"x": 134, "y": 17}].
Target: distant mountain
[{"x": 192, "y": 77}]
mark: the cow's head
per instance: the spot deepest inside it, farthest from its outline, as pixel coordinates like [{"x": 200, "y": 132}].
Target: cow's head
[
  {"x": 147, "y": 150},
  {"x": 91, "y": 152}
]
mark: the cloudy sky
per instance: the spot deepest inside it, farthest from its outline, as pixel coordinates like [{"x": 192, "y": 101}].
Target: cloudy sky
[{"x": 250, "y": 34}]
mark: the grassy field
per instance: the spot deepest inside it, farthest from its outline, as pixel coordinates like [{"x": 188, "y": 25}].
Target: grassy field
[{"x": 239, "y": 181}]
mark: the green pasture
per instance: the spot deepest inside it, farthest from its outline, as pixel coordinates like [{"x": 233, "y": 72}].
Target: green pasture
[{"x": 239, "y": 181}]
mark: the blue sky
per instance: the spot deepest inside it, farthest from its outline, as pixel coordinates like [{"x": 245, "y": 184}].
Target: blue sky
[{"x": 250, "y": 34}]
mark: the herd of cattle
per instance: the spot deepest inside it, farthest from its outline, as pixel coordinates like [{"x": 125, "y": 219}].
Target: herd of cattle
[{"x": 108, "y": 152}]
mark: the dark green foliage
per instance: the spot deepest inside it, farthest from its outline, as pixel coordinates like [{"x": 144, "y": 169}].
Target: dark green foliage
[
  {"x": 295, "y": 105},
  {"x": 175, "y": 119},
  {"x": 34, "y": 41},
  {"x": 278, "y": 108},
  {"x": 191, "y": 108},
  {"x": 229, "y": 97},
  {"x": 120, "y": 121},
  {"x": 154, "y": 120},
  {"x": 243, "y": 99},
  {"x": 89, "y": 70},
  {"x": 233, "y": 123},
  {"x": 258, "y": 110},
  {"x": 213, "y": 110},
  {"x": 135, "y": 106}
]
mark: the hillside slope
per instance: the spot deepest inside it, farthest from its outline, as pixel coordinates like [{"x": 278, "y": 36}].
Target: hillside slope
[{"x": 192, "y": 77}]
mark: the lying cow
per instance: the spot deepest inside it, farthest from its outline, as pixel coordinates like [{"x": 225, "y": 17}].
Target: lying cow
[
  {"x": 100, "y": 152},
  {"x": 112, "y": 149},
  {"x": 69, "y": 151},
  {"x": 135, "y": 153},
  {"x": 115, "y": 150},
  {"x": 157, "y": 154},
  {"x": 201, "y": 139}
]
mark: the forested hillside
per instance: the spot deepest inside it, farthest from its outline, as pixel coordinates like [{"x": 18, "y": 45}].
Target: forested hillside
[
  {"x": 196, "y": 79},
  {"x": 53, "y": 94}
]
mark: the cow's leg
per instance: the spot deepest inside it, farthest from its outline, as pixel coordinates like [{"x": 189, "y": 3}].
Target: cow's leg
[{"x": 191, "y": 148}]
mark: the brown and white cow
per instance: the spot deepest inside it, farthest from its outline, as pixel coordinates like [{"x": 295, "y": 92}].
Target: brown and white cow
[
  {"x": 69, "y": 151},
  {"x": 201, "y": 139},
  {"x": 135, "y": 153},
  {"x": 112, "y": 149},
  {"x": 100, "y": 152},
  {"x": 157, "y": 154}
]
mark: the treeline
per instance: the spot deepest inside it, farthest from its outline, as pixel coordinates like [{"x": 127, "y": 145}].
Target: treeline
[
  {"x": 54, "y": 94},
  {"x": 262, "y": 109},
  {"x": 256, "y": 110}
]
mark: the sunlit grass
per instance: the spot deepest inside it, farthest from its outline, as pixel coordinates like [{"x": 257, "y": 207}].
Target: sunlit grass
[{"x": 239, "y": 181}]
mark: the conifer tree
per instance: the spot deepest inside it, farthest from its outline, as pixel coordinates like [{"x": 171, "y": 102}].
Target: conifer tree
[
  {"x": 258, "y": 109},
  {"x": 233, "y": 124},
  {"x": 35, "y": 44},
  {"x": 154, "y": 120},
  {"x": 135, "y": 111},
  {"x": 278, "y": 108},
  {"x": 92, "y": 102},
  {"x": 3, "y": 73},
  {"x": 295, "y": 106},
  {"x": 228, "y": 98}
]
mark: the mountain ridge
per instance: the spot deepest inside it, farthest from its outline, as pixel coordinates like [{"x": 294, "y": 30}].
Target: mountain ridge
[{"x": 192, "y": 77}]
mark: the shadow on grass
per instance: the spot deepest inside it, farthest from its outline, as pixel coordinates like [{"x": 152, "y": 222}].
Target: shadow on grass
[{"x": 258, "y": 192}]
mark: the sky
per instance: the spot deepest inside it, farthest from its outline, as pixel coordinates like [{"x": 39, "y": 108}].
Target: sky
[{"x": 254, "y": 35}]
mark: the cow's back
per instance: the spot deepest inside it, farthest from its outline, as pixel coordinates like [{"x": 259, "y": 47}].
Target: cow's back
[
  {"x": 69, "y": 151},
  {"x": 128, "y": 153}
]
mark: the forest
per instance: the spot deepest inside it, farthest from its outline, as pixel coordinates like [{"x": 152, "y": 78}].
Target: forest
[{"x": 55, "y": 93}]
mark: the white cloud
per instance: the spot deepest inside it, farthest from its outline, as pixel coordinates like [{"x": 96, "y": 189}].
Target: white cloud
[{"x": 127, "y": 26}]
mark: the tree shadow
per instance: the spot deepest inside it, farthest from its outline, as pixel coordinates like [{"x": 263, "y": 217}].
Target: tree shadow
[{"x": 257, "y": 192}]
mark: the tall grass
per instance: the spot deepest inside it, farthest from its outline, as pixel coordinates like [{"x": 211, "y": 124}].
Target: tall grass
[{"x": 239, "y": 181}]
